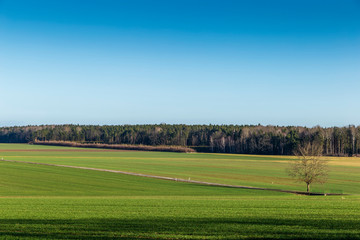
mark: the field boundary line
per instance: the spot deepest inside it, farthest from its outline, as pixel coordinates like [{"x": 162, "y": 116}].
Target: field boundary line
[{"x": 173, "y": 179}]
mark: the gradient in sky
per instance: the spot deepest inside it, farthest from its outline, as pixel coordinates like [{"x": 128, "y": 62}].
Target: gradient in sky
[{"x": 194, "y": 62}]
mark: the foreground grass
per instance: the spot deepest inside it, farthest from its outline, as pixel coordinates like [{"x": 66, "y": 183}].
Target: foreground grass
[{"x": 285, "y": 217}]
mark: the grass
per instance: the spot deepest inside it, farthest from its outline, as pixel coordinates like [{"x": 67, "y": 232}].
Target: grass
[
  {"x": 285, "y": 217},
  {"x": 47, "y": 202},
  {"x": 21, "y": 179},
  {"x": 248, "y": 170}
]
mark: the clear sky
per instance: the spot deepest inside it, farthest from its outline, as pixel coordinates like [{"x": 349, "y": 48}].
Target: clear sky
[{"x": 189, "y": 61}]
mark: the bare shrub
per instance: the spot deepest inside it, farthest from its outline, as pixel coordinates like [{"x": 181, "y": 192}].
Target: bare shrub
[{"x": 117, "y": 146}]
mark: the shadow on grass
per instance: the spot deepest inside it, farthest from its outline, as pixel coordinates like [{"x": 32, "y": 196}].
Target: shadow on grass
[{"x": 179, "y": 228}]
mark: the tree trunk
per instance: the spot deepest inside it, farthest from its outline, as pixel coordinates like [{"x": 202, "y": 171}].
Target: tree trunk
[{"x": 308, "y": 187}]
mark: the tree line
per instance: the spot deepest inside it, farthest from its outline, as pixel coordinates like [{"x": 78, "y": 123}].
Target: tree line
[{"x": 246, "y": 139}]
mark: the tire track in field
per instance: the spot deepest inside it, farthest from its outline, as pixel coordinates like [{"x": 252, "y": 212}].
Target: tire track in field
[{"x": 170, "y": 178}]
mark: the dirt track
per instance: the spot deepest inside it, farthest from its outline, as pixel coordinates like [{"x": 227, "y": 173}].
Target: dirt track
[{"x": 171, "y": 179}]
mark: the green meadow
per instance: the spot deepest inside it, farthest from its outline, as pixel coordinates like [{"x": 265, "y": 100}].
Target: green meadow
[
  {"x": 49, "y": 202},
  {"x": 247, "y": 170}
]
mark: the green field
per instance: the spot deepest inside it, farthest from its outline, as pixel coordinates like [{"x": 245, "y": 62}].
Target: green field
[
  {"x": 248, "y": 170},
  {"x": 48, "y": 202}
]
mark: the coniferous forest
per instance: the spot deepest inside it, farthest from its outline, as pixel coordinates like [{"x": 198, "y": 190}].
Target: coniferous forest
[{"x": 246, "y": 139}]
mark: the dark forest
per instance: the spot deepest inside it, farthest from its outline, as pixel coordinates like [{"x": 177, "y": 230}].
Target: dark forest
[{"x": 246, "y": 139}]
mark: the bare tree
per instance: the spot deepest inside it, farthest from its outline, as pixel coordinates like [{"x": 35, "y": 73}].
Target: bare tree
[{"x": 309, "y": 168}]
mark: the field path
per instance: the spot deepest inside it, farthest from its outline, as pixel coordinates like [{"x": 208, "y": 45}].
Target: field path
[{"x": 170, "y": 178}]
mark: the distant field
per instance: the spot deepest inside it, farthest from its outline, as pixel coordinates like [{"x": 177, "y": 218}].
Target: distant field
[
  {"x": 20, "y": 179},
  {"x": 47, "y": 202},
  {"x": 249, "y": 170}
]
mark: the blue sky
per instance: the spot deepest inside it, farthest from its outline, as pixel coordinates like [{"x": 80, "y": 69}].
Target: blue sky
[{"x": 193, "y": 62}]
